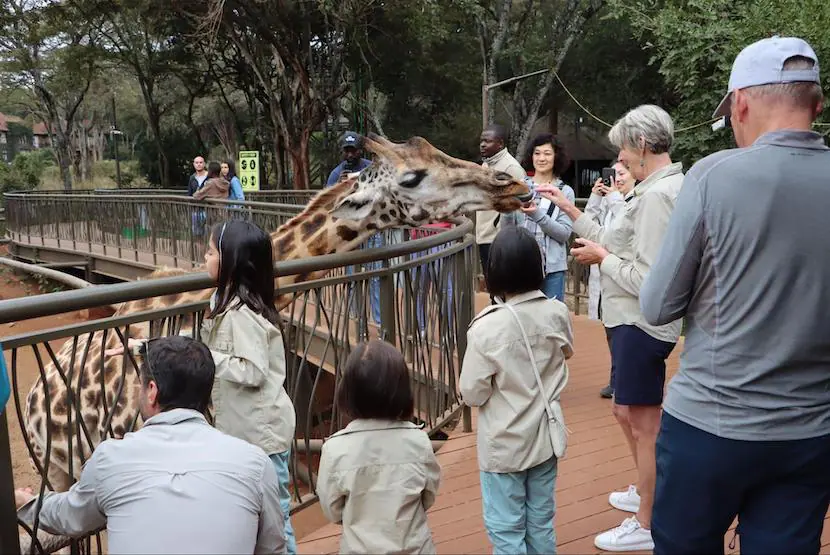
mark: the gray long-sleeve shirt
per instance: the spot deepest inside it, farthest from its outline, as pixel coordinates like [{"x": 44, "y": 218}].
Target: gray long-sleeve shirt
[
  {"x": 746, "y": 258},
  {"x": 551, "y": 231},
  {"x": 175, "y": 486}
]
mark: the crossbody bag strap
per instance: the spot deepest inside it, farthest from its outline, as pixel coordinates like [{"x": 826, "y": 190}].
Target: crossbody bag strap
[{"x": 548, "y": 408}]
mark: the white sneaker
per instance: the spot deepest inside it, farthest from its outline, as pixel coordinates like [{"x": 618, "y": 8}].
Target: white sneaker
[
  {"x": 628, "y": 536},
  {"x": 628, "y": 501}
]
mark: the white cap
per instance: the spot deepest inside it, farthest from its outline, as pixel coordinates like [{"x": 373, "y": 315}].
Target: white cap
[{"x": 762, "y": 63}]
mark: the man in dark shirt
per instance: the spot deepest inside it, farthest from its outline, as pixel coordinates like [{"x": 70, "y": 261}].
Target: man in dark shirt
[{"x": 353, "y": 160}]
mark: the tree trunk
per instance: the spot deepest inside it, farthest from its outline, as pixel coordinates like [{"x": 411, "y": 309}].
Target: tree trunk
[
  {"x": 300, "y": 163},
  {"x": 155, "y": 127},
  {"x": 61, "y": 152},
  {"x": 572, "y": 21}
]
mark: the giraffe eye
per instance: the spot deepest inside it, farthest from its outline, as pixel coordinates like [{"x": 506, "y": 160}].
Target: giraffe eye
[{"x": 412, "y": 179}]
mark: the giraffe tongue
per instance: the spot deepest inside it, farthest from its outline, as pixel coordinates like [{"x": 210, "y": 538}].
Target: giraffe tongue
[{"x": 526, "y": 197}]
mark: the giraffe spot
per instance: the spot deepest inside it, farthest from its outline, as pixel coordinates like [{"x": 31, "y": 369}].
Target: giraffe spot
[
  {"x": 311, "y": 226},
  {"x": 421, "y": 215},
  {"x": 371, "y": 226},
  {"x": 382, "y": 205},
  {"x": 301, "y": 278},
  {"x": 384, "y": 218},
  {"x": 92, "y": 397},
  {"x": 60, "y": 453},
  {"x": 346, "y": 233},
  {"x": 118, "y": 431},
  {"x": 393, "y": 213},
  {"x": 59, "y": 409},
  {"x": 37, "y": 422},
  {"x": 316, "y": 248},
  {"x": 285, "y": 244}
]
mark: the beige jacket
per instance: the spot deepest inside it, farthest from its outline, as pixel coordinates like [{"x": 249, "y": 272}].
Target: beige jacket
[
  {"x": 601, "y": 209},
  {"x": 497, "y": 377},
  {"x": 378, "y": 478},
  {"x": 486, "y": 228},
  {"x": 633, "y": 238},
  {"x": 249, "y": 397}
]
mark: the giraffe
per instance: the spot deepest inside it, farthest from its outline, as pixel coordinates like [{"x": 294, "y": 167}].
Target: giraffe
[{"x": 411, "y": 183}]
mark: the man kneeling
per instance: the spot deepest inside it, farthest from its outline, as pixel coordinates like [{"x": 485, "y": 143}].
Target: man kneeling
[{"x": 177, "y": 485}]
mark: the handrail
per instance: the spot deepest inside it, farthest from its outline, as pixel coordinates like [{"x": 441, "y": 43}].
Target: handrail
[{"x": 13, "y": 310}]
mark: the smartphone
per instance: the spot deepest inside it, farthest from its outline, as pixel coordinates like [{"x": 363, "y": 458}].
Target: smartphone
[{"x": 609, "y": 175}]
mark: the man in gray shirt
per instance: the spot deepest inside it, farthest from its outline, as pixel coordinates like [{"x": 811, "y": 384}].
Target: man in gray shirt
[
  {"x": 746, "y": 259},
  {"x": 177, "y": 485}
]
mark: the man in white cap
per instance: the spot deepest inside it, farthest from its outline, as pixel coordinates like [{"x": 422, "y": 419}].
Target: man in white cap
[{"x": 746, "y": 259}]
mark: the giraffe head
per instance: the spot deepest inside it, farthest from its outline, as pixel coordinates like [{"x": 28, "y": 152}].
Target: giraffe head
[{"x": 414, "y": 183}]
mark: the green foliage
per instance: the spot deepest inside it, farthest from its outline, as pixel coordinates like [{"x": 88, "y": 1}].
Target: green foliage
[
  {"x": 25, "y": 171},
  {"x": 694, "y": 42},
  {"x": 424, "y": 57}
]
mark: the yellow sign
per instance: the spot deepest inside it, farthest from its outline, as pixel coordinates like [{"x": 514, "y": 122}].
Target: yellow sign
[{"x": 249, "y": 170}]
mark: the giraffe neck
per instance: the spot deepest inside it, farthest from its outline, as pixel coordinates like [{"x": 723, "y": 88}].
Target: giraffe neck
[{"x": 314, "y": 232}]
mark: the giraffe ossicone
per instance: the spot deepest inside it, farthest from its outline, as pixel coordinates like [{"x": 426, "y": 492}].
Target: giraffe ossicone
[{"x": 409, "y": 184}]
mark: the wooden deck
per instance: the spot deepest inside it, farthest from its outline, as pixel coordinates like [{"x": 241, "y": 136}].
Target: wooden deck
[{"x": 597, "y": 463}]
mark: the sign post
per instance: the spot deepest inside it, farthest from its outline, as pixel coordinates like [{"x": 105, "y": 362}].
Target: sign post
[{"x": 249, "y": 170}]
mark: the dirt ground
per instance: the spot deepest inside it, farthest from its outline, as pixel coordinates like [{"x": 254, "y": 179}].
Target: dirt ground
[{"x": 14, "y": 285}]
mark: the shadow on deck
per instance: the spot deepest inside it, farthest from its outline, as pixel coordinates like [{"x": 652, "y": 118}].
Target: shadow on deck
[{"x": 597, "y": 462}]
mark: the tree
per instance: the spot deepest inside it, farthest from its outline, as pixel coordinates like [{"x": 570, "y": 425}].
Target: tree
[
  {"x": 296, "y": 51},
  {"x": 138, "y": 36},
  {"x": 52, "y": 54},
  {"x": 415, "y": 63},
  {"x": 519, "y": 37},
  {"x": 694, "y": 42}
]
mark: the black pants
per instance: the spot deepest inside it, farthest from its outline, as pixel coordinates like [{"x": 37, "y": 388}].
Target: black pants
[{"x": 779, "y": 490}]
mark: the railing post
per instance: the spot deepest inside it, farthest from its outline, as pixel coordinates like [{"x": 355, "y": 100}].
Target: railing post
[
  {"x": 387, "y": 303},
  {"x": 9, "y": 537},
  {"x": 466, "y": 273}
]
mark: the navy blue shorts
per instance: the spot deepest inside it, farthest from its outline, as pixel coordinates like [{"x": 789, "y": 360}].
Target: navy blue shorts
[
  {"x": 779, "y": 490},
  {"x": 638, "y": 366}
]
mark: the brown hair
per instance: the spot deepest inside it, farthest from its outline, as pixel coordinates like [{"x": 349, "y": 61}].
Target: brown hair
[{"x": 375, "y": 384}]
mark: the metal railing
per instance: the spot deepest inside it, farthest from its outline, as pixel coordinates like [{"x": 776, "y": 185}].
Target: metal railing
[
  {"x": 406, "y": 284},
  {"x": 167, "y": 230},
  {"x": 156, "y": 229},
  {"x": 279, "y": 196},
  {"x": 283, "y": 196}
]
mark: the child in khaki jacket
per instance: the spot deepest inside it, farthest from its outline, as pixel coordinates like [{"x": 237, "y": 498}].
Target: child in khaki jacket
[
  {"x": 241, "y": 328},
  {"x": 515, "y": 455},
  {"x": 379, "y": 475}
]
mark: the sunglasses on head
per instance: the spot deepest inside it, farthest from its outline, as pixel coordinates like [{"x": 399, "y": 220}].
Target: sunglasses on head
[{"x": 144, "y": 352}]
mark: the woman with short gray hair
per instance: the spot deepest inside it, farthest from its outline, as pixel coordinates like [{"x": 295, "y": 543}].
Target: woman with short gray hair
[{"x": 625, "y": 248}]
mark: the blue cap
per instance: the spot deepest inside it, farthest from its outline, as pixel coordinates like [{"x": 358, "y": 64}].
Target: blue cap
[{"x": 762, "y": 63}]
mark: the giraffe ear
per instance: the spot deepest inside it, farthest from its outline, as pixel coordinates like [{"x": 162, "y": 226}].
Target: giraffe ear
[{"x": 354, "y": 207}]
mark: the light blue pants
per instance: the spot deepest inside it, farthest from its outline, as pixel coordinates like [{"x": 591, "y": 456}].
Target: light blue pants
[
  {"x": 280, "y": 461},
  {"x": 374, "y": 241},
  {"x": 554, "y": 286},
  {"x": 519, "y": 509}
]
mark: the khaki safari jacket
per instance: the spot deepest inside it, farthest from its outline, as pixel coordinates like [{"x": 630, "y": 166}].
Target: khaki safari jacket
[
  {"x": 378, "y": 478},
  {"x": 497, "y": 377},
  {"x": 486, "y": 225},
  {"x": 249, "y": 397},
  {"x": 633, "y": 238}
]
